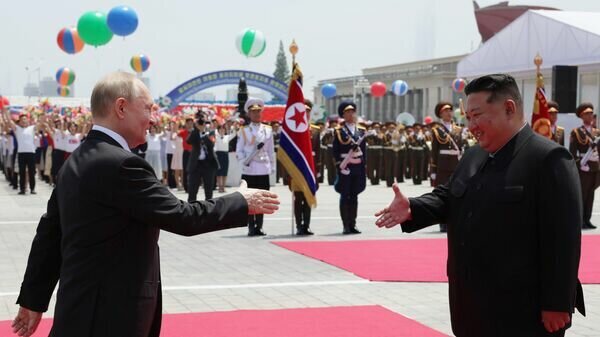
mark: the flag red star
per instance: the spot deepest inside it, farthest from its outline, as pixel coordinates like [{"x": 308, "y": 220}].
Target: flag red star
[{"x": 298, "y": 117}]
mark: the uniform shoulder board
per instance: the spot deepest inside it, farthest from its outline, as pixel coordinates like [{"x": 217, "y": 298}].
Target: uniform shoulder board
[
  {"x": 560, "y": 128},
  {"x": 338, "y": 127},
  {"x": 314, "y": 126},
  {"x": 267, "y": 125},
  {"x": 361, "y": 127}
]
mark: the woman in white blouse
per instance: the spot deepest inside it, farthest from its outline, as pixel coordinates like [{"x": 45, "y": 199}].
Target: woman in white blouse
[
  {"x": 153, "y": 151},
  {"x": 177, "y": 161},
  {"x": 222, "y": 139}
]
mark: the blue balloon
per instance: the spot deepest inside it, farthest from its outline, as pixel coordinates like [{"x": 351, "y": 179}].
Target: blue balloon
[
  {"x": 122, "y": 20},
  {"x": 328, "y": 90}
]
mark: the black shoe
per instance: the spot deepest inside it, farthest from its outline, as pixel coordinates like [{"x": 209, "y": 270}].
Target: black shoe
[
  {"x": 443, "y": 228},
  {"x": 353, "y": 230},
  {"x": 303, "y": 232},
  {"x": 588, "y": 225},
  {"x": 33, "y": 192},
  {"x": 21, "y": 192},
  {"x": 260, "y": 233}
]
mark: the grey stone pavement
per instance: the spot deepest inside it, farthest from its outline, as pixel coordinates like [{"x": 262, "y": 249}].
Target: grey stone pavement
[{"x": 227, "y": 270}]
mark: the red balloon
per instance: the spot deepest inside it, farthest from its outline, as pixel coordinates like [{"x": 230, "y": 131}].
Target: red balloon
[
  {"x": 4, "y": 102},
  {"x": 378, "y": 89},
  {"x": 428, "y": 120}
]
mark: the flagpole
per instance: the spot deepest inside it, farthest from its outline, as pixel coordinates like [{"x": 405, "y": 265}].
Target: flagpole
[{"x": 293, "y": 50}]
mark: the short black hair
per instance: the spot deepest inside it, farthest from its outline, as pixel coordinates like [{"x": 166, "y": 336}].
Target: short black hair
[
  {"x": 499, "y": 85},
  {"x": 308, "y": 103},
  {"x": 553, "y": 104}
]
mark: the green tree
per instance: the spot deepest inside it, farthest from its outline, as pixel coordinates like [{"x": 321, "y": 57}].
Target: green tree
[{"x": 282, "y": 70}]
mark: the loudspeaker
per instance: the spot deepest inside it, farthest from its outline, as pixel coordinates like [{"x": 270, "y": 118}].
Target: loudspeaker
[{"x": 564, "y": 87}]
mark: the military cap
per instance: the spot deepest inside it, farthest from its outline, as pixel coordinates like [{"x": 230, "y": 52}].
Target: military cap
[
  {"x": 440, "y": 107},
  {"x": 346, "y": 106},
  {"x": 254, "y": 103},
  {"x": 583, "y": 107}
]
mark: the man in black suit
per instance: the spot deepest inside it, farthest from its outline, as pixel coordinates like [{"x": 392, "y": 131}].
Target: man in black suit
[
  {"x": 513, "y": 208},
  {"x": 203, "y": 162},
  {"x": 100, "y": 232}
]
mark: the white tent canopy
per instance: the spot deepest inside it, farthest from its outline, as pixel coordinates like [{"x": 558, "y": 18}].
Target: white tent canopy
[{"x": 561, "y": 38}]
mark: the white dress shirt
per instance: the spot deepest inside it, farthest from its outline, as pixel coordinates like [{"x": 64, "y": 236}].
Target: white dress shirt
[{"x": 117, "y": 137}]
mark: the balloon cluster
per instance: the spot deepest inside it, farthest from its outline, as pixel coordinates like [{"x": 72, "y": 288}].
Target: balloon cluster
[{"x": 97, "y": 29}]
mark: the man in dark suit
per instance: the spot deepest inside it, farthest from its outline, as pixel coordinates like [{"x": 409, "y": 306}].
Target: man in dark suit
[
  {"x": 203, "y": 162},
  {"x": 100, "y": 232},
  {"x": 513, "y": 208}
]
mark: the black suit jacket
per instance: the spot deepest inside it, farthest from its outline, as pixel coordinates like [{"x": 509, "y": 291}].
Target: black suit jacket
[
  {"x": 99, "y": 238},
  {"x": 197, "y": 141},
  {"x": 514, "y": 236}
]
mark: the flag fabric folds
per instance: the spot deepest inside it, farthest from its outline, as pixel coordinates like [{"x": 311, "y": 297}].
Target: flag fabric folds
[
  {"x": 540, "y": 118},
  {"x": 295, "y": 148}
]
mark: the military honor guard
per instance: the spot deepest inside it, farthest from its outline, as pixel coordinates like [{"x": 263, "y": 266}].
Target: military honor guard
[
  {"x": 302, "y": 209},
  {"x": 558, "y": 133},
  {"x": 255, "y": 151},
  {"x": 400, "y": 149},
  {"x": 446, "y": 147},
  {"x": 374, "y": 148},
  {"x": 327, "y": 142},
  {"x": 389, "y": 154},
  {"x": 583, "y": 147},
  {"x": 349, "y": 151},
  {"x": 418, "y": 148}
]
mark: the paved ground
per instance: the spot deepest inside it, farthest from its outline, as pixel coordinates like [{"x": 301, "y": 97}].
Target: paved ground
[{"x": 227, "y": 270}]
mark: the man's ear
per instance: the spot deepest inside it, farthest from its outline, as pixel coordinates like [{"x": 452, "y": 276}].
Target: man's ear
[
  {"x": 510, "y": 107},
  {"x": 120, "y": 106}
]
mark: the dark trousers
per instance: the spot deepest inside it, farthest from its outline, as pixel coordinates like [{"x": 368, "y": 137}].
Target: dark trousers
[
  {"x": 330, "y": 164},
  {"x": 255, "y": 222},
  {"x": 417, "y": 161},
  {"x": 301, "y": 211},
  {"x": 588, "y": 186},
  {"x": 205, "y": 173},
  {"x": 58, "y": 158},
  {"x": 170, "y": 174},
  {"x": 186, "y": 158},
  {"x": 26, "y": 161}
]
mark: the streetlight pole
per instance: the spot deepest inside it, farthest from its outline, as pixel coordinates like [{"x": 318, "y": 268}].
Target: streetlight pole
[{"x": 362, "y": 83}]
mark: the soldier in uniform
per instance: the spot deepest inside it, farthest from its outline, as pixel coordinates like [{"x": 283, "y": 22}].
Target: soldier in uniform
[
  {"x": 583, "y": 145},
  {"x": 410, "y": 130},
  {"x": 351, "y": 178},
  {"x": 256, "y": 152},
  {"x": 446, "y": 147},
  {"x": 558, "y": 133},
  {"x": 428, "y": 141},
  {"x": 418, "y": 147},
  {"x": 302, "y": 209},
  {"x": 327, "y": 143},
  {"x": 276, "y": 138},
  {"x": 399, "y": 147},
  {"x": 374, "y": 148},
  {"x": 389, "y": 154}
]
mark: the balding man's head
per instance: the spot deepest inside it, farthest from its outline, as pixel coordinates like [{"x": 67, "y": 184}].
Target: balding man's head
[{"x": 112, "y": 87}]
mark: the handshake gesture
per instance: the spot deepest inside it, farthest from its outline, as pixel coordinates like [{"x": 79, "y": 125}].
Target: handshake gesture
[
  {"x": 259, "y": 201},
  {"x": 397, "y": 212}
]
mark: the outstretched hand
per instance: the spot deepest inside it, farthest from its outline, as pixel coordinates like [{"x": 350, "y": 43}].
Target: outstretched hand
[
  {"x": 259, "y": 201},
  {"x": 554, "y": 321},
  {"x": 26, "y": 322},
  {"x": 396, "y": 213}
]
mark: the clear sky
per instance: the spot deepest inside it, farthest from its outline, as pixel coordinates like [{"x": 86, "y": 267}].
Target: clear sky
[{"x": 184, "y": 39}]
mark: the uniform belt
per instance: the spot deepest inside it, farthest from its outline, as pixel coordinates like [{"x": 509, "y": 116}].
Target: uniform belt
[
  {"x": 344, "y": 155},
  {"x": 324, "y": 146},
  {"x": 388, "y": 147},
  {"x": 329, "y": 145},
  {"x": 417, "y": 148},
  {"x": 449, "y": 152},
  {"x": 375, "y": 147}
]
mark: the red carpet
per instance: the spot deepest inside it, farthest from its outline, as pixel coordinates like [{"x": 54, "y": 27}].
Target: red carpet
[
  {"x": 359, "y": 321},
  {"x": 416, "y": 260}
]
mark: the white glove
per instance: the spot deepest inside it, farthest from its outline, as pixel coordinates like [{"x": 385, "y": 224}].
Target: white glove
[
  {"x": 594, "y": 156},
  {"x": 433, "y": 176}
]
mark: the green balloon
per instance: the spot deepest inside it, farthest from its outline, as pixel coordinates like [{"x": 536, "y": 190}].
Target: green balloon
[{"x": 93, "y": 30}]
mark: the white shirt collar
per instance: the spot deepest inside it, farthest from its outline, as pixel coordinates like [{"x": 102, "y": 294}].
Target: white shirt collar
[
  {"x": 117, "y": 137},
  {"x": 448, "y": 125}
]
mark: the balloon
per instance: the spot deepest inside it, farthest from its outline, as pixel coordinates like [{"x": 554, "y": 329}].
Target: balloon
[
  {"x": 63, "y": 91},
  {"x": 69, "y": 41},
  {"x": 405, "y": 118},
  {"x": 328, "y": 90},
  {"x": 65, "y": 76},
  {"x": 93, "y": 29},
  {"x": 378, "y": 89},
  {"x": 428, "y": 120},
  {"x": 251, "y": 43},
  {"x": 122, "y": 20},
  {"x": 458, "y": 85},
  {"x": 139, "y": 63},
  {"x": 399, "y": 88},
  {"x": 4, "y": 102}
]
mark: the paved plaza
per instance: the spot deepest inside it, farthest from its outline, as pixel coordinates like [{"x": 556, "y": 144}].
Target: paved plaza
[{"x": 227, "y": 270}]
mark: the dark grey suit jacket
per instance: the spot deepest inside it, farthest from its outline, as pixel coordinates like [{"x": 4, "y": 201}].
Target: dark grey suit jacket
[{"x": 99, "y": 238}]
